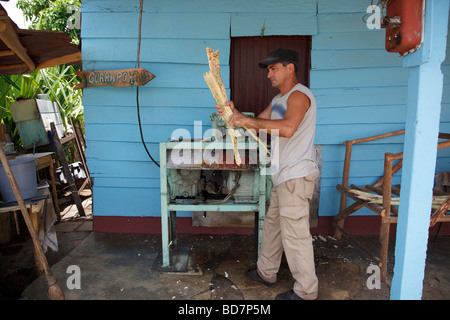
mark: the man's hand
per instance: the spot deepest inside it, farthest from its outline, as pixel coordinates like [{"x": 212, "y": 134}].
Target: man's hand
[{"x": 237, "y": 118}]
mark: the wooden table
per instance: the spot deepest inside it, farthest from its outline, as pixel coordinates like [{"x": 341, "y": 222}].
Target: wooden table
[
  {"x": 35, "y": 209},
  {"x": 33, "y": 205}
]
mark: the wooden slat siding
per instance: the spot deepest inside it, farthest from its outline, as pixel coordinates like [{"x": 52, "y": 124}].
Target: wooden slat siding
[
  {"x": 356, "y": 97},
  {"x": 160, "y": 26},
  {"x": 446, "y": 92},
  {"x": 123, "y": 206},
  {"x": 157, "y": 25},
  {"x": 183, "y": 75},
  {"x": 114, "y": 148},
  {"x": 343, "y": 22},
  {"x": 154, "y": 97},
  {"x": 179, "y": 51},
  {"x": 445, "y": 68},
  {"x": 126, "y": 115},
  {"x": 153, "y": 133},
  {"x": 445, "y": 112},
  {"x": 181, "y": 115},
  {"x": 124, "y": 169},
  {"x": 344, "y": 88},
  {"x": 113, "y": 182},
  {"x": 362, "y": 168},
  {"x": 178, "y": 65},
  {"x": 354, "y": 58},
  {"x": 110, "y": 6},
  {"x": 176, "y": 60},
  {"x": 364, "y": 114},
  {"x": 360, "y": 91},
  {"x": 176, "y": 6},
  {"x": 348, "y": 40},
  {"x": 367, "y": 77},
  {"x": 168, "y": 75},
  {"x": 284, "y": 24},
  {"x": 342, "y": 6},
  {"x": 121, "y": 151},
  {"x": 160, "y": 132},
  {"x": 127, "y": 201}
]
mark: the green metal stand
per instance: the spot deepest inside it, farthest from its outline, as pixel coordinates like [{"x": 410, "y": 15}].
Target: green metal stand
[{"x": 259, "y": 199}]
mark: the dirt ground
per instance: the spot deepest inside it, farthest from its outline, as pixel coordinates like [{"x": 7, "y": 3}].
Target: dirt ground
[
  {"x": 124, "y": 266},
  {"x": 128, "y": 266}
]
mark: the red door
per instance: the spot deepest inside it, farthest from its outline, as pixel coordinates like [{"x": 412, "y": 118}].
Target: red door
[{"x": 251, "y": 91}]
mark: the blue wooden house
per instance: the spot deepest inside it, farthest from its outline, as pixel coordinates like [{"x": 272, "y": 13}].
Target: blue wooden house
[{"x": 361, "y": 90}]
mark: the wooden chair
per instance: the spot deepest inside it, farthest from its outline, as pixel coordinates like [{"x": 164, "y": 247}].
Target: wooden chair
[
  {"x": 379, "y": 196},
  {"x": 74, "y": 137}
]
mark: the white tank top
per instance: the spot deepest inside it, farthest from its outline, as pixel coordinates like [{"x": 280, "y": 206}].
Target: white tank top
[{"x": 293, "y": 157}]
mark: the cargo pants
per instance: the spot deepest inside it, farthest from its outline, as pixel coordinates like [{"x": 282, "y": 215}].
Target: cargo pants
[{"x": 286, "y": 227}]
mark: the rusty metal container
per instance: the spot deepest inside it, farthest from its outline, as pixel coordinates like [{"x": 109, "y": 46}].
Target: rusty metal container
[{"x": 406, "y": 35}]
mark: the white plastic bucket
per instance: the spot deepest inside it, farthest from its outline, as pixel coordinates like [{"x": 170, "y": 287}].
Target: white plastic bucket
[{"x": 24, "y": 170}]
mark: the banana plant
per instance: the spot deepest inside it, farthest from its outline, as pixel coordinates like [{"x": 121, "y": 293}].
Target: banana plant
[{"x": 57, "y": 82}]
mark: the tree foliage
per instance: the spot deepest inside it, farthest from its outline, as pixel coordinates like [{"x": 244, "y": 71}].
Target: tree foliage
[
  {"x": 58, "y": 81},
  {"x": 56, "y": 15}
]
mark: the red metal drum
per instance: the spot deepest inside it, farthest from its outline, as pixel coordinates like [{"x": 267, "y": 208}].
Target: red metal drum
[{"x": 408, "y": 36}]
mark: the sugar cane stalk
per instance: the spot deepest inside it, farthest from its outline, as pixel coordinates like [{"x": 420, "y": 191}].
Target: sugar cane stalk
[{"x": 215, "y": 83}]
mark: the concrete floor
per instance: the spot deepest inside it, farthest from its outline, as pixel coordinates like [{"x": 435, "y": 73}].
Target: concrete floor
[{"x": 125, "y": 266}]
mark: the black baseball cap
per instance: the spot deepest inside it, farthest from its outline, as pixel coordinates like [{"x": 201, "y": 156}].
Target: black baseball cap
[{"x": 280, "y": 55}]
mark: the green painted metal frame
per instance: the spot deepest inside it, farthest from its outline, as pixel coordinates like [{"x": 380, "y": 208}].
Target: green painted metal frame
[{"x": 168, "y": 222}]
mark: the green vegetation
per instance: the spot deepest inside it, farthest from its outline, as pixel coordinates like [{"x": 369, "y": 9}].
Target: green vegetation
[{"x": 57, "y": 82}]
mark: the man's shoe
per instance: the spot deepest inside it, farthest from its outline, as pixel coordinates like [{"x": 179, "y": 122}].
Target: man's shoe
[
  {"x": 253, "y": 275},
  {"x": 289, "y": 295}
]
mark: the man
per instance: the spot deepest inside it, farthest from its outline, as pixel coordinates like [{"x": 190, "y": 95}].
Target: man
[{"x": 290, "y": 119}]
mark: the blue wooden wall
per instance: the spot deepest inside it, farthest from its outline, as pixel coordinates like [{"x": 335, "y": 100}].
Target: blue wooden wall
[
  {"x": 361, "y": 91},
  {"x": 360, "y": 88}
]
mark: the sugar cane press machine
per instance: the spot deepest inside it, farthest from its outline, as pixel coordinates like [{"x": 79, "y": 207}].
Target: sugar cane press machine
[{"x": 201, "y": 175}]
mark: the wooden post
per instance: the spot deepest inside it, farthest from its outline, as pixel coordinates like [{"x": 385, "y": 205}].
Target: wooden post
[
  {"x": 54, "y": 193},
  {"x": 54, "y": 289},
  {"x": 385, "y": 220},
  {"x": 421, "y": 135},
  {"x": 67, "y": 173},
  {"x": 80, "y": 150},
  {"x": 387, "y": 183},
  {"x": 345, "y": 175}
]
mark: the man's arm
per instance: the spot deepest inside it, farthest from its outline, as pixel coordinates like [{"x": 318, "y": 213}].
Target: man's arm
[
  {"x": 298, "y": 104},
  {"x": 267, "y": 113}
]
